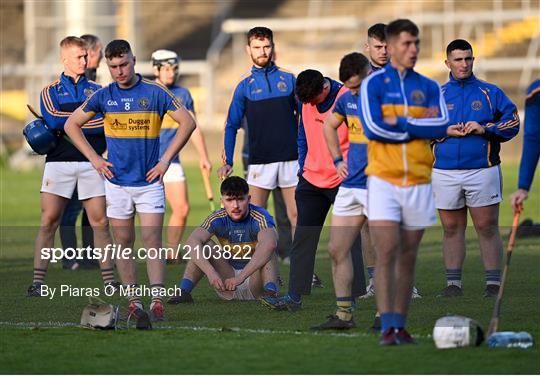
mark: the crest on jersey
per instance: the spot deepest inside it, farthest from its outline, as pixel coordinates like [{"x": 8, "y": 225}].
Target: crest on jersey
[
  {"x": 418, "y": 97},
  {"x": 282, "y": 86},
  {"x": 387, "y": 80},
  {"x": 88, "y": 91},
  {"x": 144, "y": 103},
  {"x": 476, "y": 105},
  {"x": 450, "y": 106}
]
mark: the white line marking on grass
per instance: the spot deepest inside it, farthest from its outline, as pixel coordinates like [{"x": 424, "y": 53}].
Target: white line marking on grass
[
  {"x": 41, "y": 324},
  {"x": 59, "y": 324}
]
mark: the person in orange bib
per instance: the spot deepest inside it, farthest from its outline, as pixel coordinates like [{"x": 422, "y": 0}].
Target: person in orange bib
[{"x": 318, "y": 184}]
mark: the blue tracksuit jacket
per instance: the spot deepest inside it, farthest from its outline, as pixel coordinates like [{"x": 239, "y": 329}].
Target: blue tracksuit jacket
[
  {"x": 531, "y": 138},
  {"x": 472, "y": 99},
  {"x": 266, "y": 98}
]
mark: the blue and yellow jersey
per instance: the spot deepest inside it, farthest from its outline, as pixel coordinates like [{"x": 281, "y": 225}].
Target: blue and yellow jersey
[
  {"x": 240, "y": 236},
  {"x": 401, "y": 153},
  {"x": 472, "y": 99},
  {"x": 346, "y": 110},
  {"x": 169, "y": 126},
  {"x": 132, "y": 120},
  {"x": 58, "y": 100}
]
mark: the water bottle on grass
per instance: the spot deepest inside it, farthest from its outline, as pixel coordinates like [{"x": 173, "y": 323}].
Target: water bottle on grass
[{"x": 522, "y": 340}]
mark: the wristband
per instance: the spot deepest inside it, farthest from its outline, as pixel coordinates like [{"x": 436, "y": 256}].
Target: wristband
[
  {"x": 337, "y": 160},
  {"x": 164, "y": 161}
]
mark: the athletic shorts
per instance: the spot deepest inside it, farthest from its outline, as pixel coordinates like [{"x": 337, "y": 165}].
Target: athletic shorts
[
  {"x": 350, "y": 202},
  {"x": 455, "y": 189},
  {"x": 242, "y": 291},
  {"x": 123, "y": 202},
  {"x": 60, "y": 178},
  {"x": 272, "y": 175},
  {"x": 175, "y": 173},
  {"x": 413, "y": 206}
]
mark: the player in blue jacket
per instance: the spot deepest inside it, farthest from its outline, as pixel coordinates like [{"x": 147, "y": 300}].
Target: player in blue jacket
[
  {"x": 466, "y": 173},
  {"x": 531, "y": 146},
  {"x": 266, "y": 98},
  {"x": 66, "y": 168}
]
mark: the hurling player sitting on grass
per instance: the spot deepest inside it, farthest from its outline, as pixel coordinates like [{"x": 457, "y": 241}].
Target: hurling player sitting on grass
[{"x": 243, "y": 266}]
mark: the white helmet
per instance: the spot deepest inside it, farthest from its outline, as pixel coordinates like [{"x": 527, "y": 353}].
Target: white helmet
[
  {"x": 100, "y": 315},
  {"x": 161, "y": 57},
  {"x": 457, "y": 331}
]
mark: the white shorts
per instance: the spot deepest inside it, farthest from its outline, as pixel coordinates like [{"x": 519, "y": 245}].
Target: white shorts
[
  {"x": 272, "y": 175},
  {"x": 242, "y": 291},
  {"x": 350, "y": 202},
  {"x": 175, "y": 173},
  {"x": 455, "y": 189},
  {"x": 413, "y": 206},
  {"x": 123, "y": 202},
  {"x": 60, "y": 178}
]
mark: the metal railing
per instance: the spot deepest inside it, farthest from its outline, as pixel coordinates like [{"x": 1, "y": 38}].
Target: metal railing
[{"x": 39, "y": 69}]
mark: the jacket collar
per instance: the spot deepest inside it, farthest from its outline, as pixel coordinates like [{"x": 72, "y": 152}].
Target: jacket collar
[
  {"x": 331, "y": 97},
  {"x": 271, "y": 67},
  {"x": 375, "y": 68},
  {"x": 465, "y": 81},
  {"x": 390, "y": 69},
  {"x": 69, "y": 80}
]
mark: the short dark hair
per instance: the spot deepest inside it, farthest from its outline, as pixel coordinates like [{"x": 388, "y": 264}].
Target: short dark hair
[
  {"x": 117, "y": 48},
  {"x": 353, "y": 64},
  {"x": 396, "y": 27},
  {"x": 458, "y": 44},
  {"x": 234, "y": 186},
  {"x": 91, "y": 40},
  {"x": 309, "y": 84},
  {"x": 377, "y": 31},
  {"x": 260, "y": 32}
]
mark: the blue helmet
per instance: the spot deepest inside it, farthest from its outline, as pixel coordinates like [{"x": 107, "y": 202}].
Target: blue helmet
[{"x": 39, "y": 136}]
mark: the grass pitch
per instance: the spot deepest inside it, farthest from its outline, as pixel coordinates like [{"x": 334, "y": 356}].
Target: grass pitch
[{"x": 212, "y": 336}]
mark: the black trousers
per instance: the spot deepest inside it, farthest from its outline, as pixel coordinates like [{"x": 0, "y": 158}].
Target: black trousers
[
  {"x": 283, "y": 224},
  {"x": 313, "y": 204}
]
